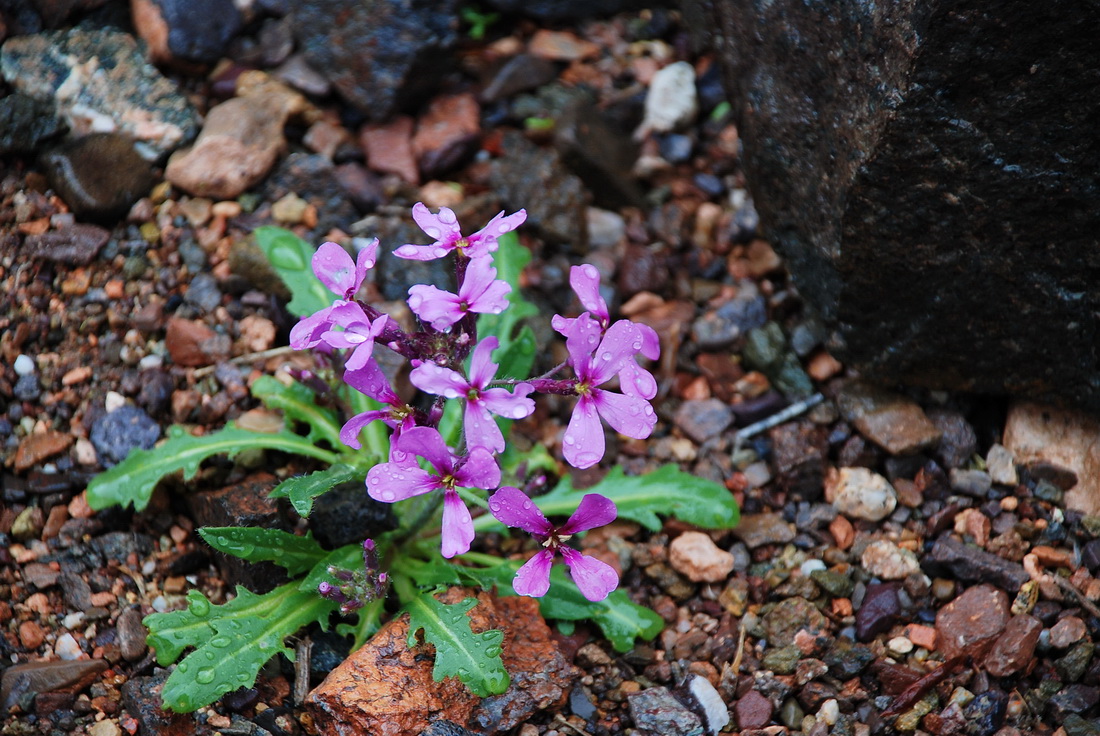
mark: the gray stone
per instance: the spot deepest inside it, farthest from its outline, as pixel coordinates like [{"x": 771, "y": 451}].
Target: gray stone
[
  {"x": 756, "y": 530},
  {"x": 973, "y": 565},
  {"x": 22, "y": 682},
  {"x": 203, "y": 292},
  {"x": 383, "y": 54},
  {"x": 766, "y": 351},
  {"x": 598, "y": 153},
  {"x": 99, "y": 176},
  {"x": 198, "y": 30},
  {"x": 938, "y": 205},
  {"x": 657, "y": 712},
  {"x": 520, "y": 73},
  {"x": 703, "y": 419},
  {"x": 98, "y": 80},
  {"x": 25, "y": 122},
  {"x": 118, "y": 432}
]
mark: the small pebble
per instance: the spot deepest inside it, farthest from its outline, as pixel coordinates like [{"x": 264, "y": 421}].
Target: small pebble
[
  {"x": 810, "y": 566},
  {"x": 113, "y": 401},
  {"x": 24, "y": 366},
  {"x": 899, "y": 645},
  {"x": 67, "y": 647},
  {"x": 1069, "y": 630},
  {"x": 73, "y": 620},
  {"x": 830, "y": 711},
  {"x": 862, "y": 494}
]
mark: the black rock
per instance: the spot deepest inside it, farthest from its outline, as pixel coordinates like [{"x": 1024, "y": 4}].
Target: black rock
[
  {"x": 203, "y": 292},
  {"x": 598, "y": 153},
  {"x": 25, "y": 122},
  {"x": 115, "y": 434},
  {"x": 76, "y": 591},
  {"x": 973, "y": 565},
  {"x": 444, "y": 727},
  {"x": 75, "y": 246},
  {"x": 985, "y": 714},
  {"x": 328, "y": 650},
  {"x": 382, "y": 54},
  {"x": 959, "y": 441},
  {"x": 581, "y": 703},
  {"x": 99, "y": 175},
  {"x": 198, "y": 30},
  {"x": 346, "y": 514},
  {"x": 1076, "y": 698},
  {"x": 27, "y": 388},
  {"x": 879, "y": 610},
  {"x": 117, "y": 546},
  {"x": 564, "y": 9},
  {"x": 521, "y": 73},
  {"x": 155, "y": 394}
]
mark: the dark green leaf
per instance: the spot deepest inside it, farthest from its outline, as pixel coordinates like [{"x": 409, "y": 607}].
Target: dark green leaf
[
  {"x": 299, "y": 404},
  {"x": 296, "y": 554},
  {"x": 459, "y": 652},
  {"x": 302, "y": 489}
]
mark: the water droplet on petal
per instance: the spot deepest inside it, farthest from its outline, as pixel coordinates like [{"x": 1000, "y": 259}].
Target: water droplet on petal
[
  {"x": 433, "y": 232},
  {"x": 387, "y": 496},
  {"x": 526, "y": 505},
  {"x": 570, "y": 439},
  {"x": 439, "y": 252}
]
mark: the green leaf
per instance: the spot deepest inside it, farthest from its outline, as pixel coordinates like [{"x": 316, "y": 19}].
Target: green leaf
[
  {"x": 348, "y": 557},
  {"x": 302, "y": 489},
  {"x": 291, "y": 258},
  {"x": 459, "y": 652},
  {"x": 509, "y": 261},
  {"x": 299, "y": 404},
  {"x": 622, "y": 620},
  {"x": 132, "y": 481},
  {"x": 232, "y": 641},
  {"x": 668, "y": 491},
  {"x": 296, "y": 554}
]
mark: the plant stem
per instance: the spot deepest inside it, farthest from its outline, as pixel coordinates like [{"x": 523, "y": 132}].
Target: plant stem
[
  {"x": 470, "y": 497},
  {"x": 481, "y": 558}
]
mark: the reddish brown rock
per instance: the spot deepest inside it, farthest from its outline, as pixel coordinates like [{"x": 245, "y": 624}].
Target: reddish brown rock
[
  {"x": 185, "y": 340},
  {"x": 1014, "y": 648},
  {"x": 753, "y": 710},
  {"x": 40, "y": 446},
  {"x": 972, "y": 622},
  {"x": 1066, "y": 632},
  {"x": 41, "y": 677},
  {"x": 389, "y": 148},
  {"x": 893, "y": 422},
  {"x": 386, "y": 688},
  {"x": 446, "y": 133}
]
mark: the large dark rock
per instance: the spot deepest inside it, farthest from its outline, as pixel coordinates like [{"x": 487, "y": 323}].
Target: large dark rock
[
  {"x": 380, "y": 55},
  {"x": 99, "y": 176},
  {"x": 925, "y": 169}
]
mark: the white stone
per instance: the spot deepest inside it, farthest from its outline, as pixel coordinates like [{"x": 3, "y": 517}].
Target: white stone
[
  {"x": 150, "y": 361},
  {"x": 811, "y": 565},
  {"x": 899, "y": 645},
  {"x": 24, "y": 365},
  {"x": 671, "y": 101},
  {"x": 1064, "y": 438},
  {"x": 714, "y": 708},
  {"x": 85, "y": 452},
  {"x": 829, "y": 711},
  {"x": 1001, "y": 465},
  {"x": 862, "y": 494},
  {"x": 114, "y": 400},
  {"x": 73, "y": 620},
  {"x": 67, "y": 648},
  {"x": 886, "y": 560},
  {"x": 695, "y": 555}
]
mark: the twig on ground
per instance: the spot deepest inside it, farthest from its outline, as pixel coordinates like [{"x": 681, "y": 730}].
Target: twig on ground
[
  {"x": 301, "y": 669},
  {"x": 560, "y": 719},
  {"x": 912, "y": 694},
  {"x": 792, "y": 411},
  {"x": 246, "y": 358}
]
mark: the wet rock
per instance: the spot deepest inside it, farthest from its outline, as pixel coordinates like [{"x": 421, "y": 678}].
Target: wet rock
[
  {"x": 766, "y": 351},
  {"x": 118, "y": 546},
  {"x": 972, "y": 622},
  {"x": 117, "y": 433},
  {"x": 1014, "y": 648},
  {"x": 389, "y": 148},
  {"x": 22, "y": 682},
  {"x": 656, "y": 711},
  {"x": 974, "y": 483},
  {"x": 447, "y": 134},
  {"x": 203, "y": 292},
  {"x": 1075, "y": 725},
  {"x": 879, "y": 610},
  {"x": 753, "y": 710},
  {"x": 1076, "y": 698},
  {"x": 240, "y": 142},
  {"x": 861, "y": 494},
  {"x": 562, "y": 9},
  {"x": 957, "y": 441},
  {"x": 800, "y": 453},
  {"x": 696, "y": 556},
  {"x": 790, "y": 616},
  {"x": 76, "y": 591},
  {"x": 298, "y": 73},
  {"x": 25, "y": 122},
  {"x": 141, "y": 698},
  {"x": 889, "y": 123},
  {"x": 1072, "y": 666},
  {"x": 362, "y": 187},
  {"x": 99, "y": 176},
  {"x": 985, "y": 714},
  {"x": 1059, "y": 445},
  {"x": 721, "y": 327},
  {"x": 98, "y": 81},
  {"x": 444, "y": 727},
  {"x": 131, "y": 634},
  {"x": 1000, "y": 463},
  {"x": 893, "y": 422},
  {"x": 703, "y": 419},
  {"x": 888, "y": 561},
  {"x": 77, "y": 245},
  {"x": 760, "y": 529},
  {"x": 243, "y": 504},
  {"x": 346, "y": 514},
  {"x": 846, "y": 659},
  {"x": 1066, "y": 632},
  {"x": 35, "y": 448},
  {"x": 520, "y": 73},
  {"x": 971, "y": 564},
  {"x": 383, "y": 54},
  {"x": 536, "y": 179},
  {"x": 329, "y": 649},
  {"x": 191, "y": 30},
  {"x": 387, "y": 687},
  {"x": 598, "y": 153},
  {"x": 836, "y": 584},
  {"x": 670, "y": 102}
]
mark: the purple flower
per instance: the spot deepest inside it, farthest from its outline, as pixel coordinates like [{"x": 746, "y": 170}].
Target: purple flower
[
  {"x": 481, "y": 402},
  {"x": 334, "y": 267},
  {"x": 390, "y": 482},
  {"x": 594, "y": 579},
  {"x": 369, "y": 380},
  {"x": 480, "y": 293},
  {"x": 358, "y": 333},
  {"x": 448, "y": 236},
  {"x": 595, "y": 362}
]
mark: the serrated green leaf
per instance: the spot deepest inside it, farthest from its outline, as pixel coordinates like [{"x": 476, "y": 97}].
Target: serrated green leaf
[
  {"x": 301, "y": 490},
  {"x": 291, "y": 258},
  {"x": 668, "y": 491},
  {"x": 232, "y": 641},
  {"x": 299, "y": 404},
  {"x": 620, "y": 619},
  {"x": 459, "y": 652},
  {"x": 133, "y": 480},
  {"x": 296, "y": 554}
]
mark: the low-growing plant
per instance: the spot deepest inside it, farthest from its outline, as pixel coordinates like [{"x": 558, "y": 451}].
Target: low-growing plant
[{"x": 433, "y": 460}]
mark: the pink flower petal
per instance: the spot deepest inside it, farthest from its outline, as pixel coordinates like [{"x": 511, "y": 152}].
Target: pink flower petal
[
  {"x": 349, "y": 433},
  {"x": 481, "y": 429},
  {"x": 594, "y": 579},
  {"x": 636, "y": 381},
  {"x": 390, "y": 482},
  {"x": 365, "y": 261},
  {"x": 443, "y": 228},
  {"x": 482, "y": 367},
  {"x": 481, "y": 290},
  {"x": 370, "y": 380},
  {"x": 435, "y": 306},
  {"x": 479, "y": 471},
  {"x": 583, "y": 443},
  {"x": 620, "y": 343},
  {"x": 629, "y": 415},
  {"x": 428, "y": 444},
  {"x": 581, "y": 340},
  {"x": 651, "y": 342},
  {"x": 435, "y": 379},
  {"x": 512, "y": 507},
  {"x": 507, "y": 404},
  {"x": 484, "y": 241},
  {"x": 334, "y": 267},
  {"x": 533, "y": 579},
  {"x": 594, "y": 510},
  {"x": 458, "y": 527},
  {"x": 585, "y": 280},
  {"x": 307, "y": 333}
]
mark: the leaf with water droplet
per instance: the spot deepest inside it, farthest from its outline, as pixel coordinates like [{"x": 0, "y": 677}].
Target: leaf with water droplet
[
  {"x": 290, "y": 256},
  {"x": 296, "y": 554},
  {"x": 459, "y": 652}
]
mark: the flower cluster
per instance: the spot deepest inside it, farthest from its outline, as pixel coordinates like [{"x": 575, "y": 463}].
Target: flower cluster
[
  {"x": 356, "y": 588},
  {"x": 601, "y": 353}
]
